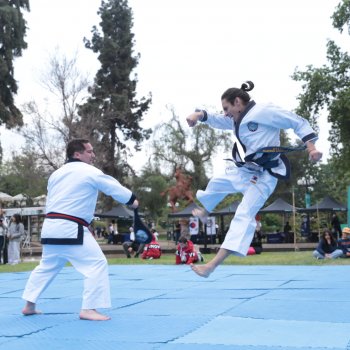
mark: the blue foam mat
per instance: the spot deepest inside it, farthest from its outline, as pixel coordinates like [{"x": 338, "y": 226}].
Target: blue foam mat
[{"x": 169, "y": 307}]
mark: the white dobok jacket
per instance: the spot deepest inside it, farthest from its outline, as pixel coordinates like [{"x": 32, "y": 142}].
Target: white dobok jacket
[
  {"x": 71, "y": 201},
  {"x": 259, "y": 126}
]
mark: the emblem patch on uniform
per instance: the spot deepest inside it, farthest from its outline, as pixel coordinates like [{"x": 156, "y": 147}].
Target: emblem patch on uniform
[
  {"x": 253, "y": 126},
  {"x": 254, "y": 179}
]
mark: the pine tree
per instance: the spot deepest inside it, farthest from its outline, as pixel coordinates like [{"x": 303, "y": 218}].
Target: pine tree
[
  {"x": 112, "y": 113},
  {"x": 12, "y": 33}
]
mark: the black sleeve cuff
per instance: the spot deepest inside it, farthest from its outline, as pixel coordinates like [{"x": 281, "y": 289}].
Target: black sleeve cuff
[
  {"x": 131, "y": 200},
  {"x": 309, "y": 137},
  {"x": 205, "y": 116}
]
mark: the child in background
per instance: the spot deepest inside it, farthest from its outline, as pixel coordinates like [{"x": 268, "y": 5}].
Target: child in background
[
  {"x": 185, "y": 252},
  {"x": 152, "y": 250}
]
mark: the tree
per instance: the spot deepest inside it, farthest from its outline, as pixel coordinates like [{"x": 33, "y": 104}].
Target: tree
[
  {"x": 24, "y": 174},
  {"x": 148, "y": 187},
  {"x": 328, "y": 88},
  {"x": 113, "y": 102},
  {"x": 48, "y": 131},
  {"x": 12, "y": 33},
  {"x": 190, "y": 148}
]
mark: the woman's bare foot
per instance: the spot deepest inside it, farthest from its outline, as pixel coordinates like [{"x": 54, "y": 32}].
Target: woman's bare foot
[
  {"x": 202, "y": 270},
  {"x": 201, "y": 213},
  {"x": 92, "y": 315},
  {"x": 29, "y": 309}
]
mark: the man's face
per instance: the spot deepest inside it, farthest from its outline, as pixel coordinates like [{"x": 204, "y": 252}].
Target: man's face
[{"x": 87, "y": 156}]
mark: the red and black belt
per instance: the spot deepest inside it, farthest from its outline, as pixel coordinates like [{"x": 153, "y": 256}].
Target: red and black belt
[{"x": 67, "y": 241}]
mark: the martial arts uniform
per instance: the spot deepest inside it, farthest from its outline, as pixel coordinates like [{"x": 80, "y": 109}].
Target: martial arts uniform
[
  {"x": 70, "y": 206},
  {"x": 186, "y": 255},
  {"x": 253, "y": 174}
]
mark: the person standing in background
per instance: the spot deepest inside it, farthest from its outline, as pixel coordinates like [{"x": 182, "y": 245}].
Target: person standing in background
[{"x": 15, "y": 233}]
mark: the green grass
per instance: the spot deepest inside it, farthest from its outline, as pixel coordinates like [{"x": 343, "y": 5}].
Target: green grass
[{"x": 266, "y": 258}]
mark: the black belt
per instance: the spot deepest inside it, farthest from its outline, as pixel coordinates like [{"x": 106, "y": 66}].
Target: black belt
[{"x": 67, "y": 241}]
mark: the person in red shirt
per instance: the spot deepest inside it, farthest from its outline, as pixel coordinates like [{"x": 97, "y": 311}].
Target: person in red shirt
[
  {"x": 152, "y": 250},
  {"x": 185, "y": 252}
]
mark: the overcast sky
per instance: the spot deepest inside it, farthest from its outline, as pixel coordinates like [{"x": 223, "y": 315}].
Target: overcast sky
[{"x": 191, "y": 50}]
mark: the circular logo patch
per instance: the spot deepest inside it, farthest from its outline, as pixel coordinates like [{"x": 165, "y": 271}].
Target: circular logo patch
[
  {"x": 252, "y": 126},
  {"x": 141, "y": 236}
]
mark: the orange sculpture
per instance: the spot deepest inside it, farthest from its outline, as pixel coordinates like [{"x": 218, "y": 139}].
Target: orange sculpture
[{"x": 182, "y": 189}]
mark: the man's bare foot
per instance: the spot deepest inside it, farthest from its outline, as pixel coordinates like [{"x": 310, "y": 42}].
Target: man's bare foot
[
  {"x": 29, "y": 309},
  {"x": 92, "y": 315},
  {"x": 202, "y": 270},
  {"x": 201, "y": 213}
]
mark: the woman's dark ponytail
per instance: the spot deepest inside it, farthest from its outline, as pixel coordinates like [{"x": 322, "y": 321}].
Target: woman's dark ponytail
[
  {"x": 247, "y": 86},
  {"x": 232, "y": 93}
]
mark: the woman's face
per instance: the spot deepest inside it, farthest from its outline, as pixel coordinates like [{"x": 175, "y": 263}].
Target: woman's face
[{"x": 232, "y": 110}]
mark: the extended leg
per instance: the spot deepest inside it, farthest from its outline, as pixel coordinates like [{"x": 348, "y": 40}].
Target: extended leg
[{"x": 206, "y": 269}]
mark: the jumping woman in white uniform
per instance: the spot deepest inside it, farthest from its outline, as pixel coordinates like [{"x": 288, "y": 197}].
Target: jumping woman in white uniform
[
  {"x": 256, "y": 132},
  {"x": 70, "y": 207}
]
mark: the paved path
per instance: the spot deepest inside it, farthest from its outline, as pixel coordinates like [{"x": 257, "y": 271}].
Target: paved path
[{"x": 169, "y": 307}]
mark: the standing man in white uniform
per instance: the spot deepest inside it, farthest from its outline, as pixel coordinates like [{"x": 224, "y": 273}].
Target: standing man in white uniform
[
  {"x": 70, "y": 206},
  {"x": 255, "y": 173}
]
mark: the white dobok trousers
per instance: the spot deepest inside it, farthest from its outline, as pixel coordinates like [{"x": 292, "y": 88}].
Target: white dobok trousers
[
  {"x": 88, "y": 259},
  {"x": 256, "y": 187}
]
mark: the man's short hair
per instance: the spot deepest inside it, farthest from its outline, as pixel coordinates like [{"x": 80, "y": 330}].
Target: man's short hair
[
  {"x": 346, "y": 230},
  {"x": 76, "y": 145}
]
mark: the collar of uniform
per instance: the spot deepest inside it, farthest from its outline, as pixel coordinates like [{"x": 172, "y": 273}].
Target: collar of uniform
[
  {"x": 70, "y": 160},
  {"x": 250, "y": 105}
]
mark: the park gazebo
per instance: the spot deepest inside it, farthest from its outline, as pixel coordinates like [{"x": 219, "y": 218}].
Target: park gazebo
[
  {"x": 123, "y": 216},
  {"x": 280, "y": 206},
  {"x": 326, "y": 205},
  {"x": 118, "y": 211}
]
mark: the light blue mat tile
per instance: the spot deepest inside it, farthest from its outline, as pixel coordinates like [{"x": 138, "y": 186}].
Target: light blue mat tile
[
  {"x": 177, "y": 346},
  {"x": 19, "y": 325},
  {"x": 60, "y": 306},
  {"x": 35, "y": 343},
  {"x": 307, "y": 294},
  {"x": 254, "y": 332},
  {"x": 10, "y": 306},
  {"x": 124, "y": 328},
  {"x": 133, "y": 293},
  {"x": 322, "y": 283},
  {"x": 168, "y": 307},
  {"x": 323, "y": 311},
  {"x": 204, "y": 292}
]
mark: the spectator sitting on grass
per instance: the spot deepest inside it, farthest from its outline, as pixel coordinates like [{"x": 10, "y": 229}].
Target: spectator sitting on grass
[
  {"x": 327, "y": 247},
  {"x": 186, "y": 253},
  {"x": 152, "y": 250},
  {"x": 344, "y": 242}
]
